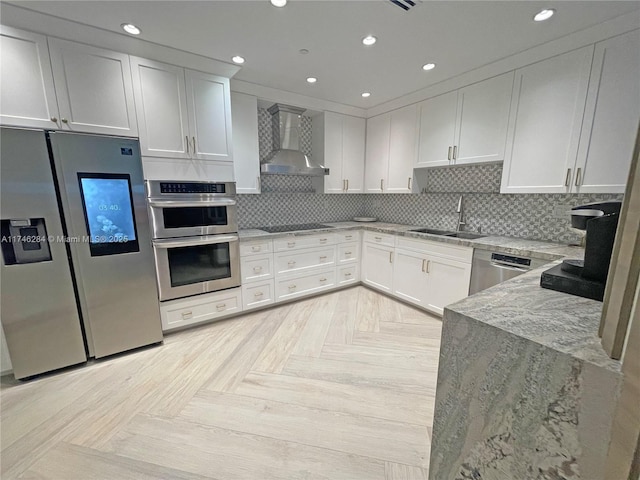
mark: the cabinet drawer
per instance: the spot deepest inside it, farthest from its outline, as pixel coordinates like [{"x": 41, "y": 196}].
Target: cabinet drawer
[
  {"x": 255, "y": 247},
  {"x": 256, "y": 267},
  {"x": 455, "y": 252},
  {"x": 298, "y": 261},
  {"x": 381, "y": 238},
  {"x": 304, "y": 241},
  {"x": 348, "y": 274},
  {"x": 305, "y": 284},
  {"x": 257, "y": 294},
  {"x": 349, "y": 236},
  {"x": 348, "y": 253},
  {"x": 180, "y": 313}
]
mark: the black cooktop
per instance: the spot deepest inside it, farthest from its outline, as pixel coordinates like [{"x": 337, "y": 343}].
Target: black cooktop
[{"x": 293, "y": 228}]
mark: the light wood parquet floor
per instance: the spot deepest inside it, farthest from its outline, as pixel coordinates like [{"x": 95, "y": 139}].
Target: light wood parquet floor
[{"x": 339, "y": 386}]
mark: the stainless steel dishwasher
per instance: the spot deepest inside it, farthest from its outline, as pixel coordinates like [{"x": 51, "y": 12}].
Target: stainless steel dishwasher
[{"x": 490, "y": 268}]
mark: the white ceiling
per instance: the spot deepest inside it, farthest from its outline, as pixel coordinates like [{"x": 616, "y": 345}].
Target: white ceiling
[{"x": 456, "y": 35}]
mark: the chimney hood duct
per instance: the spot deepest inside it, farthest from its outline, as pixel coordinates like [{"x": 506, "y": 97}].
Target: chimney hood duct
[{"x": 287, "y": 159}]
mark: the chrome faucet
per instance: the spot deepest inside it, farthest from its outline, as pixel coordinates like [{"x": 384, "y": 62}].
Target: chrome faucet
[{"x": 460, "y": 212}]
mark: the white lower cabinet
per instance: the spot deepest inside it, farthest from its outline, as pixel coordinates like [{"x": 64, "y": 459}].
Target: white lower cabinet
[
  {"x": 305, "y": 259},
  {"x": 258, "y": 294},
  {"x": 431, "y": 274},
  {"x": 348, "y": 274},
  {"x": 305, "y": 284},
  {"x": 377, "y": 266},
  {"x": 200, "y": 308},
  {"x": 257, "y": 273}
]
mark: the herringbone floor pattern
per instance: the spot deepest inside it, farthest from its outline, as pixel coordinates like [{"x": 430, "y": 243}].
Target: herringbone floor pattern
[{"x": 339, "y": 386}]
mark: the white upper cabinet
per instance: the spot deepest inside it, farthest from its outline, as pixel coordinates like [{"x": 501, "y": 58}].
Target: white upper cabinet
[
  {"x": 209, "y": 107},
  {"x": 246, "y": 154},
  {"x": 391, "y": 151},
  {"x": 483, "y": 119},
  {"x": 339, "y": 143},
  {"x": 181, "y": 113},
  {"x": 377, "y": 159},
  {"x": 466, "y": 126},
  {"x": 402, "y": 149},
  {"x": 437, "y": 130},
  {"x": 94, "y": 89},
  {"x": 544, "y": 131},
  {"x": 161, "y": 108},
  {"x": 27, "y": 95},
  {"x": 611, "y": 116}
]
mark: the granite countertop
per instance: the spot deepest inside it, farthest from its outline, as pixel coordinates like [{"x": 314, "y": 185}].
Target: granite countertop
[
  {"x": 517, "y": 246},
  {"x": 559, "y": 321}
]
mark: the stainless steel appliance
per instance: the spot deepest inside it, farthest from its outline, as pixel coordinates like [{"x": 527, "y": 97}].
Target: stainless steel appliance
[
  {"x": 587, "y": 278},
  {"x": 76, "y": 249},
  {"x": 491, "y": 268},
  {"x": 195, "y": 241}
]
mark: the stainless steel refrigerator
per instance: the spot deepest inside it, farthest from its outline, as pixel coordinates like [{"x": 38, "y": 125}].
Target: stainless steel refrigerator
[{"x": 77, "y": 274}]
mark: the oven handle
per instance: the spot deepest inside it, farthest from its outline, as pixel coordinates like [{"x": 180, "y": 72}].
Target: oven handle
[
  {"x": 187, "y": 242},
  {"x": 221, "y": 202}
]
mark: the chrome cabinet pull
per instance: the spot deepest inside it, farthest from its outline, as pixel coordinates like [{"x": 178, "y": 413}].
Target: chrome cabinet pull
[
  {"x": 382, "y": 184},
  {"x": 194, "y": 144},
  {"x": 258, "y": 294},
  {"x": 323, "y": 257},
  {"x": 292, "y": 287},
  {"x": 378, "y": 239},
  {"x": 54, "y": 119},
  {"x": 567, "y": 180},
  {"x": 347, "y": 189},
  {"x": 423, "y": 262},
  {"x": 428, "y": 265},
  {"x": 323, "y": 279},
  {"x": 347, "y": 254},
  {"x": 256, "y": 248},
  {"x": 344, "y": 184},
  {"x": 578, "y": 176},
  {"x": 323, "y": 240},
  {"x": 291, "y": 244},
  {"x": 409, "y": 184},
  {"x": 187, "y": 314},
  {"x": 64, "y": 120},
  {"x": 187, "y": 139},
  {"x": 221, "y": 306},
  {"x": 449, "y": 154},
  {"x": 348, "y": 237},
  {"x": 291, "y": 263},
  {"x": 390, "y": 257},
  {"x": 455, "y": 152},
  {"x": 257, "y": 269},
  {"x": 348, "y": 274}
]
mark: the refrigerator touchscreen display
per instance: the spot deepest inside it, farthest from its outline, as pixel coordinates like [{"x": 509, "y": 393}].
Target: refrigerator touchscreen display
[{"x": 108, "y": 212}]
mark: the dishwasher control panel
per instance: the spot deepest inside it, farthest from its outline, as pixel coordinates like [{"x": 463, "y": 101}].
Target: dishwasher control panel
[{"x": 510, "y": 259}]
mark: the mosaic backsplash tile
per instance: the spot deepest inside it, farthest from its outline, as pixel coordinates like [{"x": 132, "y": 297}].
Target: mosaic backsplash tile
[{"x": 299, "y": 199}]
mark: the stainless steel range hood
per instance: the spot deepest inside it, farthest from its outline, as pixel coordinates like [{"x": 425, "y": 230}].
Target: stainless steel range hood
[{"x": 287, "y": 159}]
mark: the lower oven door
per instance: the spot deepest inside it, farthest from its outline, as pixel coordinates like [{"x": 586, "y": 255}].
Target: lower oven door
[{"x": 190, "y": 266}]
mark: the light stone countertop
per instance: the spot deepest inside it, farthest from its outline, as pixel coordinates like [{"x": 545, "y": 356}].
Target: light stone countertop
[{"x": 565, "y": 323}]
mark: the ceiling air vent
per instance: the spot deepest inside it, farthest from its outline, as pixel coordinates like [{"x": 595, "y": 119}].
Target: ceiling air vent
[{"x": 404, "y": 4}]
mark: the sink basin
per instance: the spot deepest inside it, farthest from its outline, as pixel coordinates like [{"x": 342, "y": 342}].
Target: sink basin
[
  {"x": 446, "y": 233},
  {"x": 432, "y": 231}
]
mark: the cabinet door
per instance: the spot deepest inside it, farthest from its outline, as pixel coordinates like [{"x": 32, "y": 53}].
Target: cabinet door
[
  {"x": 437, "y": 130},
  {"x": 332, "y": 143},
  {"x": 246, "y": 156},
  {"x": 161, "y": 108},
  {"x": 377, "y": 266},
  {"x": 209, "y": 110},
  {"x": 402, "y": 149},
  {"x": 548, "y": 105},
  {"x": 611, "y": 116},
  {"x": 93, "y": 88},
  {"x": 27, "y": 95},
  {"x": 448, "y": 282},
  {"x": 353, "y": 134},
  {"x": 377, "y": 153},
  {"x": 410, "y": 277},
  {"x": 483, "y": 118}
]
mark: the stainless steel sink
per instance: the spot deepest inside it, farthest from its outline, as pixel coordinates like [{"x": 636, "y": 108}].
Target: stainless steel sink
[{"x": 446, "y": 233}]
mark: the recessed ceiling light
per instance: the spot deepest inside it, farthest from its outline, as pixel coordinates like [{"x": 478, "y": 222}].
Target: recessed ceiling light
[
  {"x": 366, "y": 95},
  {"x": 131, "y": 29},
  {"x": 369, "y": 40},
  {"x": 543, "y": 15},
  {"x": 312, "y": 79},
  {"x": 238, "y": 59},
  {"x": 278, "y": 3},
  {"x": 428, "y": 66}
]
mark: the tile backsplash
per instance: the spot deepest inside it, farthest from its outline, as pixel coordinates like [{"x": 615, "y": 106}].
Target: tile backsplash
[{"x": 298, "y": 199}]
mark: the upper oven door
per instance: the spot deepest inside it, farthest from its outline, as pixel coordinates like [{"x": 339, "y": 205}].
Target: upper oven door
[{"x": 182, "y": 218}]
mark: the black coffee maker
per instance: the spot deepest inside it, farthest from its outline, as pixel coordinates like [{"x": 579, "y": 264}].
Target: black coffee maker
[{"x": 587, "y": 278}]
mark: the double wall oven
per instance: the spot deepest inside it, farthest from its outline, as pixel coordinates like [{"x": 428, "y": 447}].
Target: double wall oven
[{"x": 195, "y": 237}]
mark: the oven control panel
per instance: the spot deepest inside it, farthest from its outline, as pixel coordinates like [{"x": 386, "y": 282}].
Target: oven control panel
[{"x": 192, "y": 187}]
